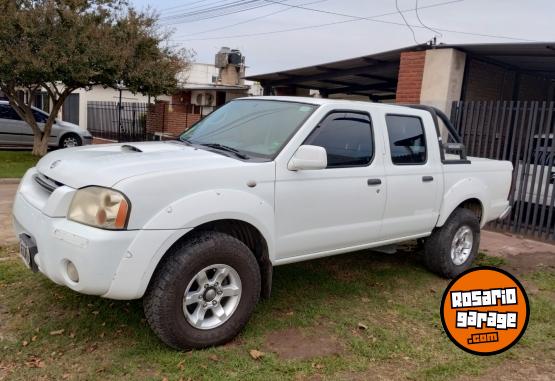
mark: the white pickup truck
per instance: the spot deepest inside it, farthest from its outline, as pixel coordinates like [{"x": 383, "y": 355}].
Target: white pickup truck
[{"x": 195, "y": 226}]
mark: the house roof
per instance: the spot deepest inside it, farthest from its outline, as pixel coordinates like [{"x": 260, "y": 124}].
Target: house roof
[
  {"x": 219, "y": 87},
  {"x": 376, "y": 74}
]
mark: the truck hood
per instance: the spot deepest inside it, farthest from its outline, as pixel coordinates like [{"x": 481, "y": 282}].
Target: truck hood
[{"x": 107, "y": 164}]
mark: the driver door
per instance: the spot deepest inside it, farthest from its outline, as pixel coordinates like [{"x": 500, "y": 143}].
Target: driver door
[{"x": 341, "y": 206}]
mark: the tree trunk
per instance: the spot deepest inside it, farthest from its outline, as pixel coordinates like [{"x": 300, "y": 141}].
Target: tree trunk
[{"x": 40, "y": 145}]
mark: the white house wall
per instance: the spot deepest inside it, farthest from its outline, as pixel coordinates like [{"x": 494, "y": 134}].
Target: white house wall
[{"x": 98, "y": 93}]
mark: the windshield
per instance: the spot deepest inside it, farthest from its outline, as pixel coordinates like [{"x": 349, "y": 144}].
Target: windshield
[{"x": 252, "y": 127}]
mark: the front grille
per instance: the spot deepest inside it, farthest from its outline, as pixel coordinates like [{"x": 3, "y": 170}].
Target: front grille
[{"x": 47, "y": 183}]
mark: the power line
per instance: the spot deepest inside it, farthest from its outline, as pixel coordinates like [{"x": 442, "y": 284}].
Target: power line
[
  {"x": 252, "y": 19},
  {"x": 357, "y": 18},
  {"x": 216, "y": 11},
  {"x": 406, "y": 22},
  {"x": 184, "y": 5},
  {"x": 424, "y": 25},
  {"x": 321, "y": 25}
]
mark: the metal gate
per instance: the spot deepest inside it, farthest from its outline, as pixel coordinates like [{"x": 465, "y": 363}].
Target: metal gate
[
  {"x": 108, "y": 120},
  {"x": 523, "y": 133}
]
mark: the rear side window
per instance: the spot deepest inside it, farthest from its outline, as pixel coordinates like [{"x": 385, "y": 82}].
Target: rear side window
[
  {"x": 7, "y": 112},
  {"x": 347, "y": 138},
  {"x": 407, "y": 141}
]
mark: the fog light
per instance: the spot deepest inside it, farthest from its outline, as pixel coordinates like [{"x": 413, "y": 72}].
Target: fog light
[{"x": 72, "y": 272}]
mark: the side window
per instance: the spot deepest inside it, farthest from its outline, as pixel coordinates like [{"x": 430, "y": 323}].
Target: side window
[
  {"x": 7, "y": 112},
  {"x": 407, "y": 140},
  {"x": 39, "y": 116},
  {"x": 347, "y": 138}
]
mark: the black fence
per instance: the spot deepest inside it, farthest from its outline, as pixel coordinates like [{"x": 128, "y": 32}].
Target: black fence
[
  {"x": 521, "y": 132},
  {"x": 125, "y": 123}
]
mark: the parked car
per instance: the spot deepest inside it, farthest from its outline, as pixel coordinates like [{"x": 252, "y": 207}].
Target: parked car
[
  {"x": 195, "y": 226},
  {"x": 14, "y": 131},
  {"x": 534, "y": 181}
]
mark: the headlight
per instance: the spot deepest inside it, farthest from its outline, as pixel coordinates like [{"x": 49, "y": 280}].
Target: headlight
[{"x": 100, "y": 207}]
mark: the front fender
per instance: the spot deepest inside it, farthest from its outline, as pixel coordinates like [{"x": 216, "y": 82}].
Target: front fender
[
  {"x": 176, "y": 220},
  {"x": 211, "y": 205},
  {"x": 462, "y": 190}
]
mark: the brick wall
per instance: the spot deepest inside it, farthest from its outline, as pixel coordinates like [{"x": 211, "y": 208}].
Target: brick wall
[
  {"x": 172, "y": 118},
  {"x": 486, "y": 81},
  {"x": 409, "y": 81}
]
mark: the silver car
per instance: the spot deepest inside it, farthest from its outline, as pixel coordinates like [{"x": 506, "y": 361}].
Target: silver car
[{"x": 14, "y": 131}]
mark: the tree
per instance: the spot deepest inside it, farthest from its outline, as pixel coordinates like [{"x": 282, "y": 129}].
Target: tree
[{"x": 59, "y": 46}]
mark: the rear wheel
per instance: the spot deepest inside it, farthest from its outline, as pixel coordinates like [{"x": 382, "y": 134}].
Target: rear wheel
[
  {"x": 204, "y": 292},
  {"x": 451, "y": 249}
]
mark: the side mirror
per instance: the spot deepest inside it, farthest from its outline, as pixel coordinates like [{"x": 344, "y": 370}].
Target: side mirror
[{"x": 308, "y": 157}]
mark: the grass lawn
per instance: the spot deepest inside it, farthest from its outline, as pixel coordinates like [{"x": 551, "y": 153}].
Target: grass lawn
[
  {"x": 357, "y": 316},
  {"x": 13, "y": 164}
]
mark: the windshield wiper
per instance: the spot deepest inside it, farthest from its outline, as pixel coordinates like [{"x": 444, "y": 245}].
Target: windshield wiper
[
  {"x": 186, "y": 141},
  {"x": 222, "y": 147}
]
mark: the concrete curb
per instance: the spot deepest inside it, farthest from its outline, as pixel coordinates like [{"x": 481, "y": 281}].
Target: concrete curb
[{"x": 9, "y": 181}]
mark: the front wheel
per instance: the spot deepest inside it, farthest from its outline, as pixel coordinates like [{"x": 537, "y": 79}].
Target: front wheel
[
  {"x": 203, "y": 292},
  {"x": 70, "y": 140},
  {"x": 452, "y": 248}
]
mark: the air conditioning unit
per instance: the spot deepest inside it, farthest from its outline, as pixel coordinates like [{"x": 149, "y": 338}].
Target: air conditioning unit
[{"x": 203, "y": 99}]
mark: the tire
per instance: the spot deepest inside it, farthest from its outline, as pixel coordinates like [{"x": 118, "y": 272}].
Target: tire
[
  {"x": 179, "y": 271},
  {"x": 70, "y": 140},
  {"x": 438, "y": 247}
]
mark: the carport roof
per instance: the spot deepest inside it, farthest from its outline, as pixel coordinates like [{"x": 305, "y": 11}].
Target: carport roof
[{"x": 376, "y": 74}]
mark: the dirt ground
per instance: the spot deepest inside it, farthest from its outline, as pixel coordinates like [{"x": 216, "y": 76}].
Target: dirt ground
[{"x": 520, "y": 256}]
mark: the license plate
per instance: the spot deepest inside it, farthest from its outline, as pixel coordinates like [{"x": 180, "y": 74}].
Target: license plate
[{"x": 27, "y": 251}]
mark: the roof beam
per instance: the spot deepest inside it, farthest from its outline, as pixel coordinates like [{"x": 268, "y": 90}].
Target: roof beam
[
  {"x": 330, "y": 73},
  {"x": 355, "y": 88}
]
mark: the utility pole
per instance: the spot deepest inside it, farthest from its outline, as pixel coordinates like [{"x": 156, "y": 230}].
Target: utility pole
[{"x": 120, "y": 88}]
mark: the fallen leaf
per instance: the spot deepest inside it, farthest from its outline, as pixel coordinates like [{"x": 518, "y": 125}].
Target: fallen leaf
[
  {"x": 57, "y": 333},
  {"x": 72, "y": 335},
  {"x": 180, "y": 365},
  {"x": 34, "y": 338},
  {"x": 290, "y": 313},
  {"x": 214, "y": 357},
  {"x": 66, "y": 376},
  {"x": 362, "y": 326},
  {"x": 35, "y": 362},
  {"x": 255, "y": 354},
  {"x": 25, "y": 343}
]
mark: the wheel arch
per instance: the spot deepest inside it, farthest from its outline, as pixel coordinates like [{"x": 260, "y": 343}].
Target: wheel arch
[
  {"x": 474, "y": 204},
  {"x": 470, "y": 193},
  {"x": 245, "y": 232},
  {"x": 67, "y": 133}
]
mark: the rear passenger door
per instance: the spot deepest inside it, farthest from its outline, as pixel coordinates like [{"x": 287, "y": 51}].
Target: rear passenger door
[
  {"x": 13, "y": 130},
  {"x": 414, "y": 176}
]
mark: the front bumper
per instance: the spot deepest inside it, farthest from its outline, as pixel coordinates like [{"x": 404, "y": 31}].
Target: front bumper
[
  {"x": 96, "y": 253},
  {"x": 87, "y": 140},
  {"x": 112, "y": 264}
]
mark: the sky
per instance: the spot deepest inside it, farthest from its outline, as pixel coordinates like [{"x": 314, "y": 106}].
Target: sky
[{"x": 254, "y": 26}]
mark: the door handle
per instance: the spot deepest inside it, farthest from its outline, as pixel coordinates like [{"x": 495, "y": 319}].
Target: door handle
[
  {"x": 374, "y": 182},
  {"x": 427, "y": 179}
]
